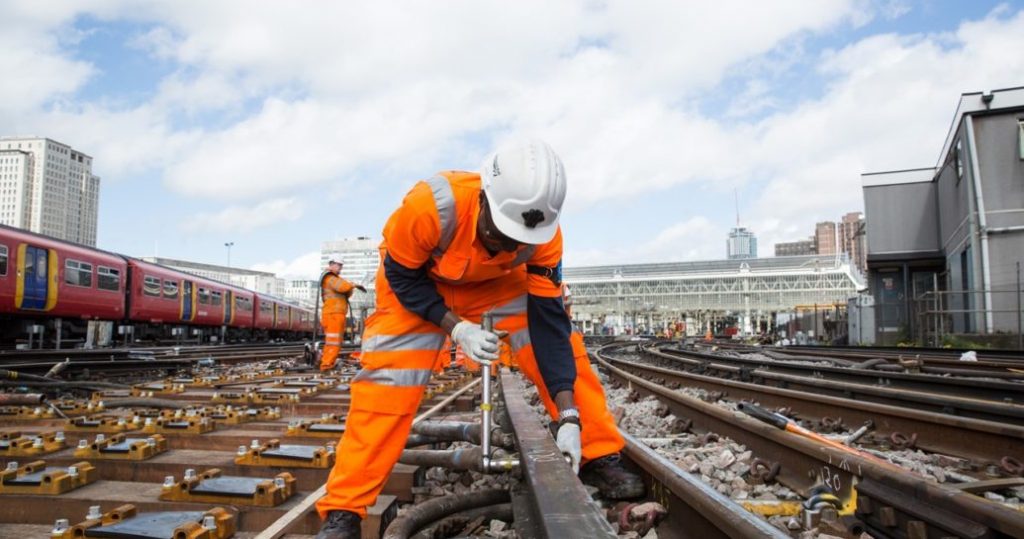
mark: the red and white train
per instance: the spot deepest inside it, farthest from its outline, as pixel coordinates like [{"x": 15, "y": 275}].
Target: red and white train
[{"x": 49, "y": 282}]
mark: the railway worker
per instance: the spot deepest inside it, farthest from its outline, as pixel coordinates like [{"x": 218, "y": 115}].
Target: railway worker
[
  {"x": 460, "y": 245},
  {"x": 335, "y": 291}
]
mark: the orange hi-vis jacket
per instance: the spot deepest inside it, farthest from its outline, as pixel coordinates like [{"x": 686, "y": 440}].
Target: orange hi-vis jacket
[
  {"x": 432, "y": 257},
  {"x": 418, "y": 233},
  {"x": 335, "y": 292}
]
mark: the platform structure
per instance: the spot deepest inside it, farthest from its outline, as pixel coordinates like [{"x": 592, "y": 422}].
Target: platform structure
[{"x": 699, "y": 291}]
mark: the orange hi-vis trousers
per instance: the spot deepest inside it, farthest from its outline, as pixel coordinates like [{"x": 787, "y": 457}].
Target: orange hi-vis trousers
[
  {"x": 334, "y": 325},
  {"x": 399, "y": 351}
]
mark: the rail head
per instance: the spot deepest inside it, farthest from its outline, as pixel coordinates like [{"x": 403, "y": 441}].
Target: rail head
[{"x": 559, "y": 505}]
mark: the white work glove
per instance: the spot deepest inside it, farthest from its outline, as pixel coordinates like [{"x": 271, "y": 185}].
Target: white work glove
[
  {"x": 477, "y": 343},
  {"x": 568, "y": 441}
]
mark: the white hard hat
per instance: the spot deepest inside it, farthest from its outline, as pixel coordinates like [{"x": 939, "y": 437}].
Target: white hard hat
[
  {"x": 335, "y": 258},
  {"x": 525, "y": 187}
]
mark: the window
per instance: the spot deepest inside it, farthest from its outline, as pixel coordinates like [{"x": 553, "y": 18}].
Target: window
[
  {"x": 108, "y": 278},
  {"x": 77, "y": 273},
  {"x": 1020, "y": 138},
  {"x": 151, "y": 286},
  {"x": 266, "y": 307},
  {"x": 3, "y": 260},
  {"x": 243, "y": 304},
  {"x": 215, "y": 297},
  {"x": 204, "y": 296},
  {"x": 959, "y": 162},
  {"x": 170, "y": 289}
]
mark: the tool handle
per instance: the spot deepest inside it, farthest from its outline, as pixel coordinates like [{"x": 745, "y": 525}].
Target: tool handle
[{"x": 757, "y": 412}]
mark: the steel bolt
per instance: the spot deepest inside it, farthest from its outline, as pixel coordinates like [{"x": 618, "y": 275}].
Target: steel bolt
[
  {"x": 209, "y": 522},
  {"x": 279, "y": 482},
  {"x": 59, "y": 437},
  {"x": 190, "y": 474},
  {"x": 82, "y": 444},
  {"x": 94, "y": 513},
  {"x": 100, "y": 438},
  {"x": 168, "y": 481},
  {"x": 60, "y": 526},
  {"x": 73, "y": 471},
  {"x": 242, "y": 450}
]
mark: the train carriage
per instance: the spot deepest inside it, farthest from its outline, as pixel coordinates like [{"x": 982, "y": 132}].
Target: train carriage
[{"x": 46, "y": 281}]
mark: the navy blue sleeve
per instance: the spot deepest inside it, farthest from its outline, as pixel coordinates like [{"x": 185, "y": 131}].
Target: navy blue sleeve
[
  {"x": 415, "y": 290},
  {"x": 549, "y": 328}
]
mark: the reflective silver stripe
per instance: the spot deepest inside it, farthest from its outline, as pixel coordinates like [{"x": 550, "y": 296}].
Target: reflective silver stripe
[
  {"x": 524, "y": 255},
  {"x": 444, "y": 199},
  {"x": 512, "y": 308},
  {"x": 409, "y": 341},
  {"x": 520, "y": 340},
  {"x": 332, "y": 334},
  {"x": 395, "y": 377}
]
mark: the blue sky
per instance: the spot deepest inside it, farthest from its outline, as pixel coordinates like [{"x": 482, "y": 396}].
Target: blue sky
[{"x": 278, "y": 125}]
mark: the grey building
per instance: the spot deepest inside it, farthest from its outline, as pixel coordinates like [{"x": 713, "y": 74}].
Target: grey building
[
  {"x": 943, "y": 242},
  {"x": 742, "y": 244}
]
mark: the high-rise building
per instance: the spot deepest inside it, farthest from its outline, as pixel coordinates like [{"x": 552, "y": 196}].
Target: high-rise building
[
  {"x": 48, "y": 187},
  {"x": 302, "y": 291},
  {"x": 852, "y": 239},
  {"x": 825, "y": 238},
  {"x": 361, "y": 256},
  {"x": 795, "y": 248},
  {"x": 742, "y": 243}
]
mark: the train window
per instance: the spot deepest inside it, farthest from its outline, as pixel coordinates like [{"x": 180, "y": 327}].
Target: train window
[
  {"x": 108, "y": 278},
  {"x": 266, "y": 307},
  {"x": 3, "y": 260},
  {"x": 243, "y": 304},
  {"x": 215, "y": 297},
  {"x": 151, "y": 286},
  {"x": 77, "y": 273},
  {"x": 170, "y": 289},
  {"x": 204, "y": 296}
]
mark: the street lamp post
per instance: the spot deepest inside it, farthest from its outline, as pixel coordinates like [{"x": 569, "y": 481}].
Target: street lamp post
[{"x": 228, "y": 245}]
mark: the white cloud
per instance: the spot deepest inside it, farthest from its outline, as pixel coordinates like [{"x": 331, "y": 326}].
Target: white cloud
[
  {"x": 304, "y": 266},
  {"x": 616, "y": 87},
  {"x": 245, "y": 219},
  {"x": 693, "y": 239}
]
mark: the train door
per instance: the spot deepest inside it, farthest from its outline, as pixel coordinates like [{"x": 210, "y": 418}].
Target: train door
[
  {"x": 229, "y": 306},
  {"x": 186, "y": 300},
  {"x": 34, "y": 277}
]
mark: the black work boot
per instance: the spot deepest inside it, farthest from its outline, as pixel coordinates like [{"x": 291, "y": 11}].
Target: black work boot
[
  {"x": 340, "y": 525},
  {"x": 612, "y": 478}
]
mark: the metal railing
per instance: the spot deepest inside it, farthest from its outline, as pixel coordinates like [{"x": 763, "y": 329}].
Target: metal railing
[{"x": 947, "y": 315}]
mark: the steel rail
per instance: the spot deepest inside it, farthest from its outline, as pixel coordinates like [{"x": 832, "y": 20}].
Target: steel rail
[
  {"x": 940, "y": 433},
  {"x": 990, "y": 362},
  {"x": 696, "y": 509},
  {"x": 920, "y": 400},
  {"x": 552, "y": 503},
  {"x": 885, "y": 502},
  {"x": 991, "y": 390}
]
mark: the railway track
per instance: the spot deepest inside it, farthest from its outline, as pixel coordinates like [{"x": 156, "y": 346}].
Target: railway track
[
  {"x": 870, "y": 494},
  {"x": 994, "y": 400},
  {"x": 122, "y": 360},
  {"x": 990, "y": 363}
]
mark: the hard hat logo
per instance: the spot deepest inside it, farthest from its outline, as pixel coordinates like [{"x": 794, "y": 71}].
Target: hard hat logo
[
  {"x": 533, "y": 218},
  {"x": 495, "y": 171}
]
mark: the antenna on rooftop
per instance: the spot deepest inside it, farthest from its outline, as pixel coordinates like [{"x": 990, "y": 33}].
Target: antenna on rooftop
[{"x": 736, "y": 194}]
